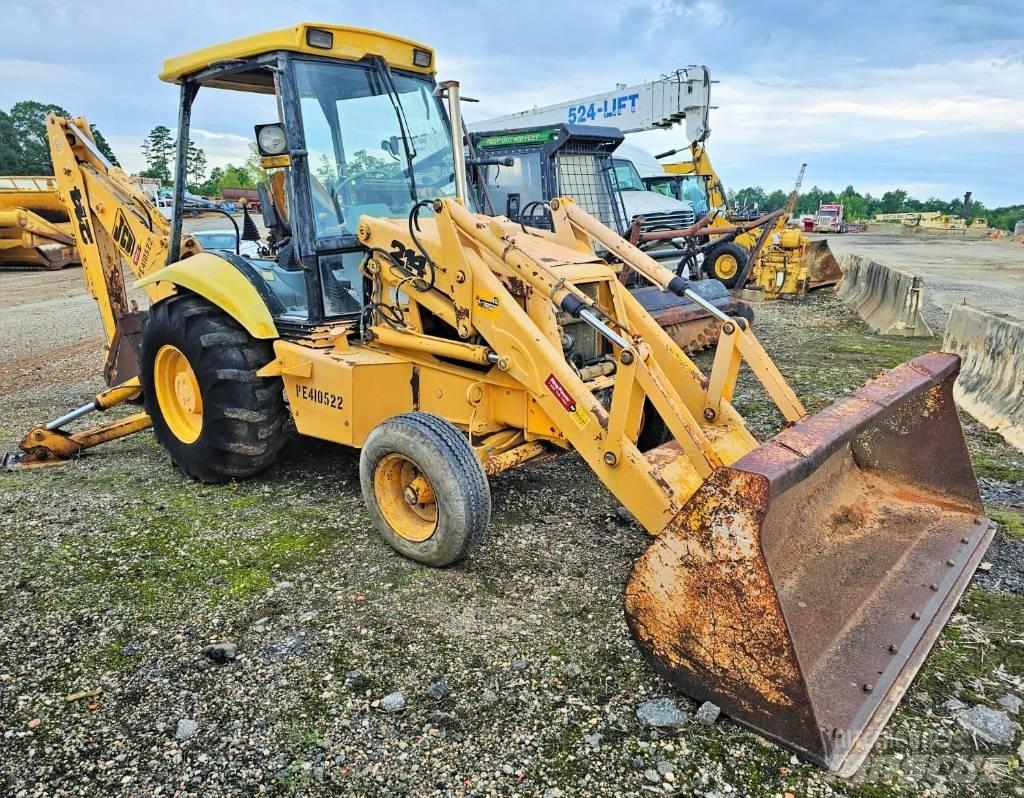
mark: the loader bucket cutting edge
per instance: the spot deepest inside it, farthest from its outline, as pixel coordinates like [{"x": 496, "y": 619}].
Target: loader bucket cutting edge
[
  {"x": 822, "y": 267},
  {"x": 801, "y": 588}
]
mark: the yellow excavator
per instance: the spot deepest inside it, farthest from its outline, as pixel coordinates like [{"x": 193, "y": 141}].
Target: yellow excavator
[
  {"x": 782, "y": 262},
  {"x": 798, "y": 583}
]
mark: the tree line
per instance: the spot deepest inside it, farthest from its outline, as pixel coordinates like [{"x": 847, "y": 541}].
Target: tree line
[
  {"x": 865, "y": 206},
  {"x": 23, "y": 146},
  {"x": 158, "y": 150}
]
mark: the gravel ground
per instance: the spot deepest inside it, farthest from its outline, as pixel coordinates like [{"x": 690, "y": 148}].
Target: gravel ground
[{"x": 116, "y": 575}]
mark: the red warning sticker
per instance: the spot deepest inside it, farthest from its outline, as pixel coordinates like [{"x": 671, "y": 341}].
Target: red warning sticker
[{"x": 559, "y": 392}]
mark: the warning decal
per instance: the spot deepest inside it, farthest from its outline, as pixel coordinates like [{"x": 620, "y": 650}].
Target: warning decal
[{"x": 565, "y": 400}]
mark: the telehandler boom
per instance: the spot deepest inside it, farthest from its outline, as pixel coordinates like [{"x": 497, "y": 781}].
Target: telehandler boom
[{"x": 797, "y": 583}]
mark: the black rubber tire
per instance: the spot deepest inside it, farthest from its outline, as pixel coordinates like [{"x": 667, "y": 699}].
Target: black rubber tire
[
  {"x": 728, "y": 248},
  {"x": 442, "y": 453},
  {"x": 243, "y": 415}
]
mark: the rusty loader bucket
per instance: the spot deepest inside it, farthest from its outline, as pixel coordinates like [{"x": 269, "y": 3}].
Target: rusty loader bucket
[
  {"x": 822, "y": 267},
  {"x": 801, "y": 587}
]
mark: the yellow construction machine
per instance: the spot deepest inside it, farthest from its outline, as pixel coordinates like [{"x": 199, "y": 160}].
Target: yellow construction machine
[
  {"x": 797, "y": 583},
  {"x": 770, "y": 257},
  {"x": 35, "y": 229}
]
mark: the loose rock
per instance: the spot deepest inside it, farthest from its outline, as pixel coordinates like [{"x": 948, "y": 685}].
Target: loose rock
[
  {"x": 989, "y": 724},
  {"x": 393, "y": 702},
  {"x": 221, "y": 653},
  {"x": 708, "y": 713},
  {"x": 661, "y": 713},
  {"x": 186, "y": 728},
  {"x": 1011, "y": 704},
  {"x": 438, "y": 690}
]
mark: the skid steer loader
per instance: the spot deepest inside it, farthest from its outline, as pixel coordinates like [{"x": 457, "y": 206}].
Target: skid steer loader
[{"x": 797, "y": 583}]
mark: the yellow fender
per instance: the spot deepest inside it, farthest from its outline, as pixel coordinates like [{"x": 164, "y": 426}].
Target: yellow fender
[{"x": 215, "y": 279}]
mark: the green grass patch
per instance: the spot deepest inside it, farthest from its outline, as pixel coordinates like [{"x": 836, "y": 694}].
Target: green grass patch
[
  {"x": 985, "y": 465},
  {"x": 1011, "y": 522},
  {"x": 970, "y": 650}
]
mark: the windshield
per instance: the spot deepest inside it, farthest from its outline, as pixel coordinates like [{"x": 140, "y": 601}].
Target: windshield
[
  {"x": 513, "y": 187},
  {"x": 370, "y": 151},
  {"x": 216, "y": 240},
  {"x": 627, "y": 175}
]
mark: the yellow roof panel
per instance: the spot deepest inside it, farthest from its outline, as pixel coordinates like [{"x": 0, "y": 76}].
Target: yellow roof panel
[{"x": 350, "y": 44}]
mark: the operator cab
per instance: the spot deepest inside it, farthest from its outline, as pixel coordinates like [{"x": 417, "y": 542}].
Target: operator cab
[{"x": 360, "y": 130}]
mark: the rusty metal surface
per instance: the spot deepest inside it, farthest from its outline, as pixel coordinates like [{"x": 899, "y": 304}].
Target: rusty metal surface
[
  {"x": 801, "y": 588},
  {"x": 687, "y": 323},
  {"x": 822, "y": 267}
]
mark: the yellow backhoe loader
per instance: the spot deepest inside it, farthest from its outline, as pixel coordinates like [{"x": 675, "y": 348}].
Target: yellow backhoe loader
[
  {"x": 35, "y": 229},
  {"x": 784, "y": 264},
  {"x": 798, "y": 583}
]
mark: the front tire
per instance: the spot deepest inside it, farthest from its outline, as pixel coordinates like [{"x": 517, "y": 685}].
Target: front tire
[
  {"x": 725, "y": 262},
  {"x": 424, "y": 488},
  {"x": 214, "y": 416}
]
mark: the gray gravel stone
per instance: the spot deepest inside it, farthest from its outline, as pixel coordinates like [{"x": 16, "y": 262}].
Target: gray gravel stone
[
  {"x": 953, "y": 705},
  {"x": 661, "y": 713},
  {"x": 1011, "y": 704},
  {"x": 186, "y": 728},
  {"x": 221, "y": 652},
  {"x": 393, "y": 702},
  {"x": 553, "y": 792},
  {"x": 490, "y": 696},
  {"x": 708, "y": 713},
  {"x": 652, "y": 776},
  {"x": 354, "y": 679},
  {"x": 519, "y": 664},
  {"x": 989, "y": 724},
  {"x": 593, "y": 740},
  {"x": 664, "y": 767},
  {"x": 438, "y": 690}
]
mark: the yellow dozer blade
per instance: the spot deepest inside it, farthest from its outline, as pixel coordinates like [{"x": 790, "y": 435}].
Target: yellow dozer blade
[
  {"x": 822, "y": 267},
  {"x": 801, "y": 587}
]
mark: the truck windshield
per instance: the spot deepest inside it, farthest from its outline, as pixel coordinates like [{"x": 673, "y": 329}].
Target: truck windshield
[
  {"x": 627, "y": 175},
  {"x": 371, "y": 151}
]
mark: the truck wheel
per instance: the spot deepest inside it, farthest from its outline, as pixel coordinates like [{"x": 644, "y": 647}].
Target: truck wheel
[
  {"x": 724, "y": 262},
  {"x": 425, "y": 489},
  {"x": 213, "y": 415}
]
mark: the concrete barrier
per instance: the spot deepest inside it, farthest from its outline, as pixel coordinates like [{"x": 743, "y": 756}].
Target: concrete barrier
[
  {"x": 991, "y": 382},
  {"x": 886, "y": 299}
]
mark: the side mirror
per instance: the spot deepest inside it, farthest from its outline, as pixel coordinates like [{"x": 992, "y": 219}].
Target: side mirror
[{"x": 390, "y": 146}]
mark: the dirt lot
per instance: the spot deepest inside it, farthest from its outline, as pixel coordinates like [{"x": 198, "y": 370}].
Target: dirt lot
[
  {"x": 115, "y": 572},
  {"x": 986, "y": 273}
]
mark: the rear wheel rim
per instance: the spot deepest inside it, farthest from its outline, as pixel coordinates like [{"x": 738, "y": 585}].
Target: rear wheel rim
[
  {"x": 178, "y": 394},
  {"x": 726, "y": 266},
  {"x": 405, "y": 497}
]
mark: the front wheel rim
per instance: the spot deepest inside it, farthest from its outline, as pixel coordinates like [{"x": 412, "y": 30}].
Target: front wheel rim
[
  {"x": 178, "y": 394},
  {"x": 405, "y": 497}
]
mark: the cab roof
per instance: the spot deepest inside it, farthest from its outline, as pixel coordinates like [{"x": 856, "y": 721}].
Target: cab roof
[{"x": 349, "y": 44}]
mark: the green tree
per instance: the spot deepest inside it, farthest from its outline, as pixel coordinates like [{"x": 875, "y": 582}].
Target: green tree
[
  {"x": 196, "y": 166},
  {"x": 235, "y": 177},
  {"x": 775, "y": 200},
  {"x": 11, "y": 156},
  {"x": 894, "y": 201},
  {"x": 103, "y": 146},
  {"x": 748, "y": 197},
  {"x": 29, "y": 120},
  {"x": 257, "y": 174},
  {"x": 158, "y": 150}
]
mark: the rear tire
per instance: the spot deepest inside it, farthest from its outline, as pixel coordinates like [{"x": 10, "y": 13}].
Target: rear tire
[
  {"x": 419, "y": 455},
  {"x": 725, "y": 262},
  {"x": 214, "y": 416}
]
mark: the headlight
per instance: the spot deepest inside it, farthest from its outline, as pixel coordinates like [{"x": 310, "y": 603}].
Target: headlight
[
  {"x": 271, "y": 140},
  {"x": 421, "y": 58},
  {"x": 323, "y": 39}
]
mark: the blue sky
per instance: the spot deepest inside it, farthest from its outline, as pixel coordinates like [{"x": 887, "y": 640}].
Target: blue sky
[{"x": 928, "y": 96}]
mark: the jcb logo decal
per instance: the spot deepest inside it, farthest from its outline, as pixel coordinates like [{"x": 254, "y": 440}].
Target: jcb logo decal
[{"x": 123, "y": 234}]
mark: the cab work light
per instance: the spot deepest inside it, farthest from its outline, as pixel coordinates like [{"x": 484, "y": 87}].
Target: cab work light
[
  {"x": 323, "y": 39},
  {"x": 421, "y": 58}
]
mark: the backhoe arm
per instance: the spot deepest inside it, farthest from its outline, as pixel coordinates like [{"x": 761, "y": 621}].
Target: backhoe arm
[{"x": 115, "y": 226}]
